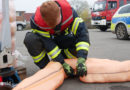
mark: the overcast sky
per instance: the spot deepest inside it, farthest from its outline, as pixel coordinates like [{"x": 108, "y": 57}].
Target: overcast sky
[{"x": 30, "y": 5}]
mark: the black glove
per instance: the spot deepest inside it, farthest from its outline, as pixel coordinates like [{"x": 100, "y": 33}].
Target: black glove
[
  {"x": 81, "y": 67},
  {"x": 68, "y": 69}
]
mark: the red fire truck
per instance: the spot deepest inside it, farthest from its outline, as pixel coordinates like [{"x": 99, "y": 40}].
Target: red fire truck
[{"x": 103, "y": 10}]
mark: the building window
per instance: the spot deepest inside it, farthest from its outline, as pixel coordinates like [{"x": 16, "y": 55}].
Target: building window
[{"x": 18, "y": 13}]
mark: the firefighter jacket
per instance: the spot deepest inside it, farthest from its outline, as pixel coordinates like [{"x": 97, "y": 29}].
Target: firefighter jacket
[{"x": 69, "y": 33}]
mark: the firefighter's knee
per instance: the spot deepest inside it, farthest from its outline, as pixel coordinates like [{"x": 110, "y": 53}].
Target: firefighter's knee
[
  {"x": 33, "y": 44},
  {"x": 29, "y": 39}
]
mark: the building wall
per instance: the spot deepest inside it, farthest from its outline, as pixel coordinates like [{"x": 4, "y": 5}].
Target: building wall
[
  {"x": 20, "y": 16},
  {"x": 28, "y": 16}
]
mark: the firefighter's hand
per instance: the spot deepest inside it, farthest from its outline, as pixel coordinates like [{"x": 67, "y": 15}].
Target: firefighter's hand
[
  {"x": 81, "y": 67},
  {"x": 68, "y": 70}
]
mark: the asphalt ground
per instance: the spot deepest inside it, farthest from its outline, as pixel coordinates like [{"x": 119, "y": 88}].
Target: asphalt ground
[{"x": 103, "y": 45}]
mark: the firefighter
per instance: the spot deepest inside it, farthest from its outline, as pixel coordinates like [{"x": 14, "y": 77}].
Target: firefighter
[{"x": 58, "y": 32}]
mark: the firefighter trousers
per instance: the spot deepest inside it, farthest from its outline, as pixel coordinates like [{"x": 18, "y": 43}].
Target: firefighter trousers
[{"x": 35, "y": 47}]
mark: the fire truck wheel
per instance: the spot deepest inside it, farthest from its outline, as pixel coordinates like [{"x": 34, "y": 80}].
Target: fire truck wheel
[
  {"x": 103, "y": 28},
  {"x": 121, "y": 32}
]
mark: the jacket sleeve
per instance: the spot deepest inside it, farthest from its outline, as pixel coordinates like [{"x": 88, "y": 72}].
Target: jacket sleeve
[
  {"x": 80, "y": 31},
  {"x": 50, "y": 46},
  {"x": 52, "y": 49}
]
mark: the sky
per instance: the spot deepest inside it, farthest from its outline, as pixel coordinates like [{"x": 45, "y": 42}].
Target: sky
[{"x": 30, "y": 5}]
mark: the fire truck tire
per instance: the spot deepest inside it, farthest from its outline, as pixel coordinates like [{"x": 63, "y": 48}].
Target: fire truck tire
[{"x": 103, "y": 28}]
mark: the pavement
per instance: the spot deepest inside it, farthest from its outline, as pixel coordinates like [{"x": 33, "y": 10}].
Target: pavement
[{"x": 103, "y": 45}]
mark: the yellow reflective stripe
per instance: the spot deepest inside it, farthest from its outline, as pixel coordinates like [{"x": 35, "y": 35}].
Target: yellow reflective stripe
[
  {"x": 79, "y": 43},
  {"x": 82, "y": 46},
  {"x": 128, "y": 26},
  {"x": 121, "y": 15},
  {"x": 39, "y": 57},
  {"x": 113, "y": 26},
  {"x": 68, "y": 54},
  {"x": 55, "y": 52},
  {"x": 45, "y": 34},
  {"x": 66, "y": 31},
  {"x": 76, "y": 24}
]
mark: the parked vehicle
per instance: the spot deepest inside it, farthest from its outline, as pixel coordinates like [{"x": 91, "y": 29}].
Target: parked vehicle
[
  {"x": 121, "y": 22},
  {"x": 103, "y": 10},
  {"x": 20, "y": 25}
]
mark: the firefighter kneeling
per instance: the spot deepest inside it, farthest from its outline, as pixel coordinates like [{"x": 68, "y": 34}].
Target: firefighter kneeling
[{"x": 58, "y": 32}]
